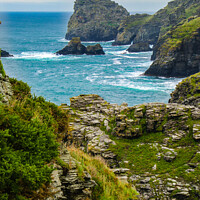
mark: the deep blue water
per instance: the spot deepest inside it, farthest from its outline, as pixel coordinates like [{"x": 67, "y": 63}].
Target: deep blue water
[{"x": 34, "y": 37}]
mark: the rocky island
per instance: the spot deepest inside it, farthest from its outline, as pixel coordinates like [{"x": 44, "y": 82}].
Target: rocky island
[
  {"x": 75, "y": 47},
  {"x": 95, "y": 20}
]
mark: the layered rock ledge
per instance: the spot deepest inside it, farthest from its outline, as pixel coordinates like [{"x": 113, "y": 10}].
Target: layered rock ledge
[{"x": 100, "y": 128}]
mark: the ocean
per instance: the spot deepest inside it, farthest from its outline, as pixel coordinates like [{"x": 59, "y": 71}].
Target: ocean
[{"x": 33, "y": 38}]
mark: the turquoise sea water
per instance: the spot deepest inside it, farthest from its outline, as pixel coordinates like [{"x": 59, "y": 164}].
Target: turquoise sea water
[{"x": 34, "y": 37}]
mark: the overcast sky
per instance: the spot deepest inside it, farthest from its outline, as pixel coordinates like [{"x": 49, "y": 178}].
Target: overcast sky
[{"x": 67, "y": 5}]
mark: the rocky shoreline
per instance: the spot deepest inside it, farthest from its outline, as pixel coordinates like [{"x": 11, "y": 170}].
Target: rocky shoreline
[{"x": 97, "y": 127}]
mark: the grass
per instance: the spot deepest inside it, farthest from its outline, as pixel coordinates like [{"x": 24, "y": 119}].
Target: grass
[
  {"x": 108, "y": 186},
  {"x": 2, "y": 69},
  {"x": 182, "y": 32}
]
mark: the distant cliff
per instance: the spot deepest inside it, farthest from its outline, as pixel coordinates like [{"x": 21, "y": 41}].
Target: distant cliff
[
  {"x": 95, "y": 20},
  {"x": 177, "y": 53},
  {"x": 151, "y": 28}
]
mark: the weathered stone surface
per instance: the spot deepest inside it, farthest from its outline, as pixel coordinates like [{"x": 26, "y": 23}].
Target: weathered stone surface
[
  {"x": 139, "y": 47},
  {"x": 95, "y": 20},
  {"x": 66, "y": 184},
  {"x": 5, "y": 89},
  {"x": 93, "y": 117}
]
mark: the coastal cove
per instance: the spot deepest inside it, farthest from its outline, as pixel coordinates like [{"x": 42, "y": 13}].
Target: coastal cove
[{"x": 115, "y": 76}]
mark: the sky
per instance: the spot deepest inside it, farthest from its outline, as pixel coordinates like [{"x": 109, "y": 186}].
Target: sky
[{"x": 67, "y": 5}]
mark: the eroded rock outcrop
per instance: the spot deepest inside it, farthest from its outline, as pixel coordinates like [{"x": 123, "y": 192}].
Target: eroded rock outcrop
[
  {"x": 177, "y": 53},
  {"x": 95, "y": 20},
  {"x": 66, "y": 182},
  {"x": 176, "y": 128},
  {"x": 5, "y": 86},
  {"x": 187, "y": 92},
  {"x": 75, "y": 47}
]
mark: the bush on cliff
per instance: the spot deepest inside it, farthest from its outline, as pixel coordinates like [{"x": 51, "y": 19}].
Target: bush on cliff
[{"x": 29, "y": 128}]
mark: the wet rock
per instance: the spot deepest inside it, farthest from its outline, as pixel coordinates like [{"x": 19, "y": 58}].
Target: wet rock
[
  {"x": 139, "y": 47},
  {"x": 5, "y": 54},
  {"x": 94, "y": 50}
]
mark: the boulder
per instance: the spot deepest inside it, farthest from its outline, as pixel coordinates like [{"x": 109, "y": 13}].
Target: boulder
[
  {"x": 74, "y": 47},
  {"x": 139, "y": 47},
  {"x": 94, "y": 50}
]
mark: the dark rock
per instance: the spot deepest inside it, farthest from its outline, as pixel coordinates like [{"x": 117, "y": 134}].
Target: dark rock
[
  {"x": 95, "y": 20},
  {"x": 129, "y": 28},
  {"x": 139, "y": 47},
  {"x": 5, "y": 54},
  {"x": 177, "y": 54},
  {"x": 74, "y": 47},
  {"x": 94, "y": 50}
]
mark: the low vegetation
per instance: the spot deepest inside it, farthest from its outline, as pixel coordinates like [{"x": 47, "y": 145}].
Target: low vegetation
[
  {"x": 108, "y": 186},
  {"x": 30, "y": 129}
]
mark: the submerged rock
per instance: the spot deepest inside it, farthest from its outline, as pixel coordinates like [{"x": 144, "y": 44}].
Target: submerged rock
[
  {"x": 95, "y": 20},
  {"x": 139, "y": 47}
]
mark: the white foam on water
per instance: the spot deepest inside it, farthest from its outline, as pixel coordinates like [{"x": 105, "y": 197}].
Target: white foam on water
[
  {"x": 116, "y": 61},
  {"x": 63, "y": 40},
  {"x": 43, "y": 56}
]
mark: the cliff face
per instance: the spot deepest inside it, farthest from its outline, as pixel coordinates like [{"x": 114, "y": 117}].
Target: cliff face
[
  {"x": 177, "y": 53},
  {"x": 158, "y": 24},
  {"x": 188, "y": 91},
  {"x": 95, "y": 20}
]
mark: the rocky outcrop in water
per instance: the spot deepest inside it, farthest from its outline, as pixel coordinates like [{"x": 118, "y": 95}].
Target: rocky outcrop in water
[
  {"x": 76, "y": 48},
  {"x": 5, "y": 54},
  {"x": 187, "y": 92},
  {"x": 177, "y": 53},
  {"x": 94, "y": 50},
  {"x": 139, "y": 47},
  {"x": 95, "y": 20}
]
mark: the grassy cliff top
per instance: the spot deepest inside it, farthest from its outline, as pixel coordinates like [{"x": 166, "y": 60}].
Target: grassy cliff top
[{"x": 173, "y": 39}]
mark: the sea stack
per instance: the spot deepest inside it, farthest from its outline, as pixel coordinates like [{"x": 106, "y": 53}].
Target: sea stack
[
  {"x": 75, "y": 47},
  {"x": 95, "y": 20}
]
